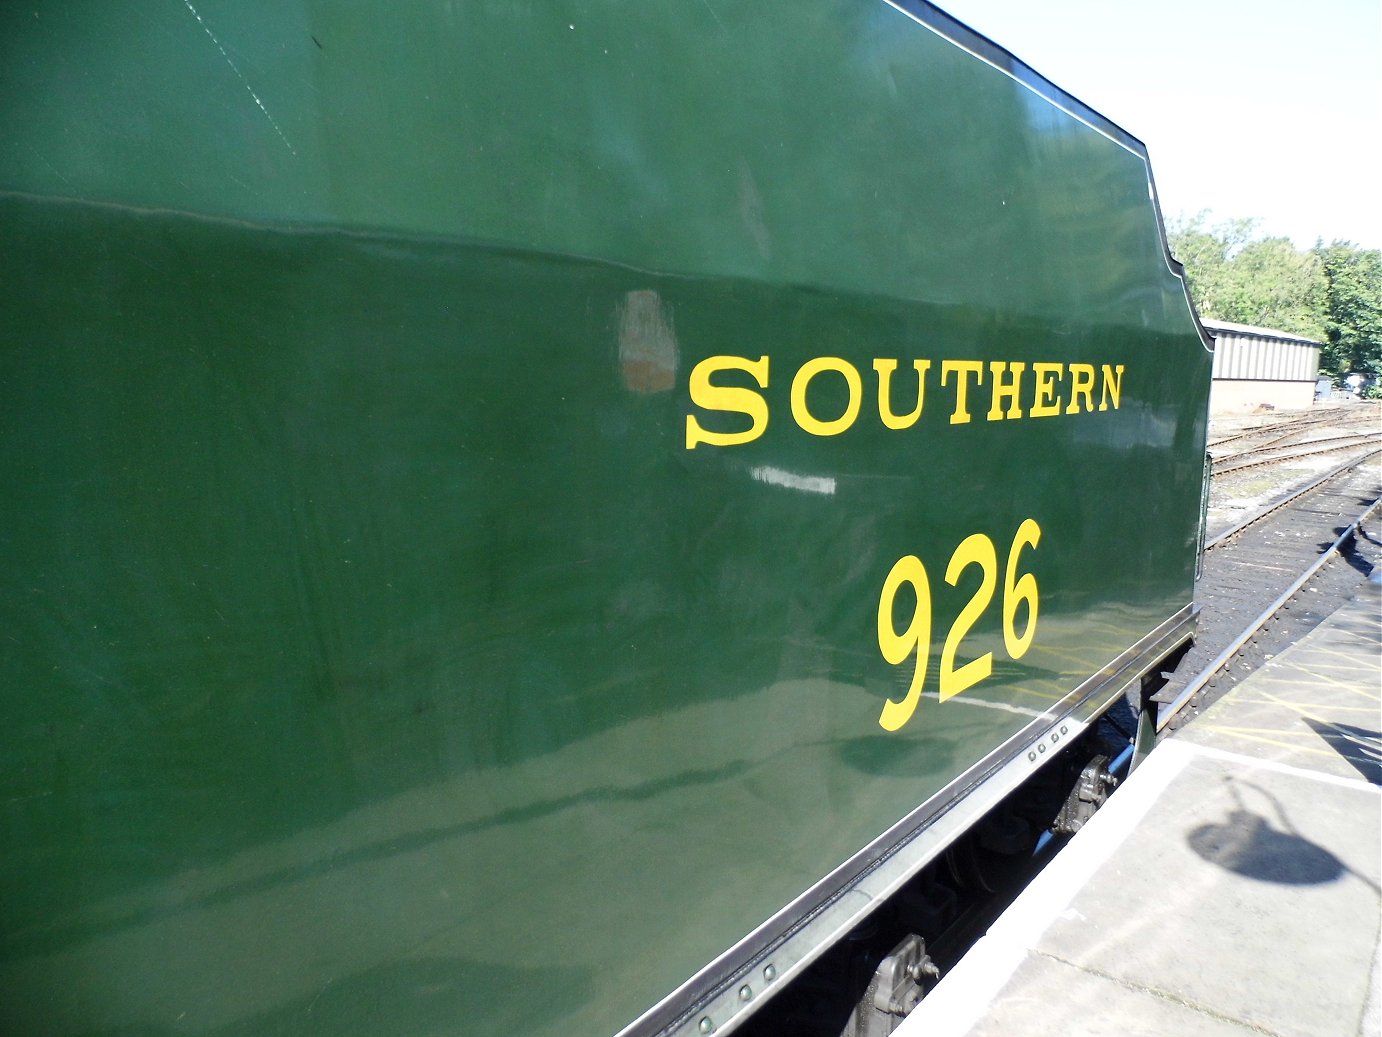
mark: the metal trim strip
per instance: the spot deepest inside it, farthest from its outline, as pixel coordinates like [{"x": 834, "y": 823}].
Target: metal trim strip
[{"x": 986, "y": 50}]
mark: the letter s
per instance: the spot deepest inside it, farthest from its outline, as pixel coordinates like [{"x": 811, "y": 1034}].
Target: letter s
[{"x": 727, "y": 398}]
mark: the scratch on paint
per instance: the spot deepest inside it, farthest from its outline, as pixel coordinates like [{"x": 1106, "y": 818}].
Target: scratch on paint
[
  {"x": 240, "y": 76},
  {"x": 715, "y": 16},
  {"x": 320, "y": 992},
  {"x": 54, "y": 168},
  {"x": 246, "y": 186}
]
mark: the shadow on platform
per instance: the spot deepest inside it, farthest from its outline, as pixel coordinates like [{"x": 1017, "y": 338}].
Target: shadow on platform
[{"x": 1359, "y": 746}]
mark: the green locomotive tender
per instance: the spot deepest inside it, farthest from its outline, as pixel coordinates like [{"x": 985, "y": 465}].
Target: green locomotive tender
[{"x": 533, "y": 517}]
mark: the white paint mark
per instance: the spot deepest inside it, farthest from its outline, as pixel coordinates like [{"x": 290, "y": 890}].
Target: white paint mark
[
  {"x": 1213, "y": 753},
  {"x": 792, "y": 481},
  {"x": 969, "y": 700},
  {"x": 240, "y": 76}
]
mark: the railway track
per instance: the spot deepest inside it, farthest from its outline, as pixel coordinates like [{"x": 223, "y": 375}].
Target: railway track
[
  {"x": 1274, "y": 429},
  {"x": 1288, "y": 423},
  {"x": 1277, "y": 453},
  {"x": 1255, "y": 570}
]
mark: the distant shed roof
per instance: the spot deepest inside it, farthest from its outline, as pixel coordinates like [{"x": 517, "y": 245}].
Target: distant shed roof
[{"x": 1248, "y": 330}]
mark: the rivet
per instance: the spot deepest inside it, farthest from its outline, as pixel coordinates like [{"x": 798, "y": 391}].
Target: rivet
[
  {"x": 769, "y": 973},
  {"x": 745, "y": 992},
  {"x": 707, "y": 1026}
]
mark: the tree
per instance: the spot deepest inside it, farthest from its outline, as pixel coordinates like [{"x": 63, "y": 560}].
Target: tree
[
  {"x": 1352, "y": 307},
  {"x": 1331, "y": 292},
  {"x": 1238, "y": 277},
  {"x": 1206, "y": 254}
]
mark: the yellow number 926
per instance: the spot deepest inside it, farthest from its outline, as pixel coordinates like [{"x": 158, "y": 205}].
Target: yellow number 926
[{"x": 896, "y": 646}]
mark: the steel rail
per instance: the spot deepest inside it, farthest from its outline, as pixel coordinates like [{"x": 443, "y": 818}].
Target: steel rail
[
  {"x": 1354, "y": 441},
  {"x": 1278, "y": 444},
  {"x": 1198, "y": 682},
  {"x": 1289, "y": 430},
  {"x": 1295, "y": 424},
  {"x": 1282, "y": 440},
  {"x": 1281, "y": 502}
]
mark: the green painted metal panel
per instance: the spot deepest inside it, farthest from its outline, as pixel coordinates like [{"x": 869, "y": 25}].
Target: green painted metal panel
[{"x": 378, "y": 657}]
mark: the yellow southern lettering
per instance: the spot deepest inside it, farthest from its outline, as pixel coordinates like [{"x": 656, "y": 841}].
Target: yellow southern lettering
[
  {"x": 1007, "y": 392},
  {"x": 808, "y": 421},
  {"x": 1056, "y": 389},
  {"x": 885, "y": 369},
  {"x": 1047, "y": 375},
  {"x": 708, "y": 396},
  {"x": 1081, "y": 384},
  {"x": 963, "y": 369},
  {"x": 1112, "y": 386}
]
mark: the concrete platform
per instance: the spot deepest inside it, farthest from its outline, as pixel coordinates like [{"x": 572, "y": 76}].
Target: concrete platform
[{"x": 1231, "y": 887}]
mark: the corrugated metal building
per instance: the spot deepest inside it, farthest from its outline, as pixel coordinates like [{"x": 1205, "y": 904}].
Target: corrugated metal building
[{"x": 1257, "y": 368}]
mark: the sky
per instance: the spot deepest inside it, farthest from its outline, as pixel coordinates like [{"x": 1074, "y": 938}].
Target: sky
[{"x": 1249, "y": 108}]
